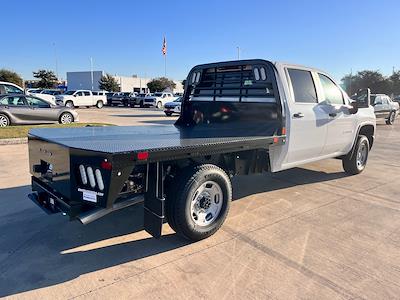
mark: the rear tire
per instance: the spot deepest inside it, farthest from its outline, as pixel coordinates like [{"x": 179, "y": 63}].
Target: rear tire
[
  {"x": 69, "y": 104},
  {"x": 168, "y": 114},
  {"x": 159, "y": 105},
  {"x": 354, "y": 162},
  {"x": 392, "y": 117},
  {"x": 66, "y": 118},
  {"x": 99, "y": 104},
  {"x": 4, "y": 120},
  {"x": 198, "y": 201}
]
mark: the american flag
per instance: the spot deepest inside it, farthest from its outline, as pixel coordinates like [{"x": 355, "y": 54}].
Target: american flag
[{"x": 164, "y": 47}]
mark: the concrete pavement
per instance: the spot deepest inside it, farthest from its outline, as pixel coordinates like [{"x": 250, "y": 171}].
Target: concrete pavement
[{"x": 309, "y": 232}]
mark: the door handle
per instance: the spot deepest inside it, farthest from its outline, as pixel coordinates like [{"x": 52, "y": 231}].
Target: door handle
[
  {"x": 333, "y": 115},
  {"x": 298, "y": 115}
]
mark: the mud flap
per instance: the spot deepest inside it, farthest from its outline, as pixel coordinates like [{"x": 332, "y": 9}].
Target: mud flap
[{"x": 154, "y": 200}]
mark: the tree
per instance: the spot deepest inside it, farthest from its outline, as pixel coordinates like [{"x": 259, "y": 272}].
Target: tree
[
  {"x": 47, "y": 78},
  {"x": 395, "y": 83},
  {"x": 108, "y": 83},
  {"x": 160, "y": 84},
  {"x": 10, "y": 76},
  {"x": 366, "y": 79}
]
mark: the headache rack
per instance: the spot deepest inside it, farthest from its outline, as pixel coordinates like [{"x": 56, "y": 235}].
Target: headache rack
[{"x": 246, "y": 82}]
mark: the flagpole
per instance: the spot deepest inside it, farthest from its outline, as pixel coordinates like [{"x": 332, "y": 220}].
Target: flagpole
[{"x": 165, "y": 65}]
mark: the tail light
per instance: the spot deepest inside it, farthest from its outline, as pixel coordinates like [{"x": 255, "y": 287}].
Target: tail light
[
  {"x": 99, "y": 179},
  {"x": 82, "y": 171},
  {"x": 93, "y": 178}
]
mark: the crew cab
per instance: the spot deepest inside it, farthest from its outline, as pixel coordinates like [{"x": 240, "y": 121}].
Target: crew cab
[
  {"x": 123, "y": 98},
  {"x": 385, "y": 108},
  {"x": 81, "y": 98},
  {"x": 237, "y": 118},
  {"x": 159, "y": 99}
]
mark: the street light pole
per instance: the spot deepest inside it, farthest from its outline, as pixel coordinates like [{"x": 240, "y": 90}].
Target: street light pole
[
  {"x": 91, "y": 70},
  {"x": 238, "y": 52},
  {"x": 55, "y": 57}
]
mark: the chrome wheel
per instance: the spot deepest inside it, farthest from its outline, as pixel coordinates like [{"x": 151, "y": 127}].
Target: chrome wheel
[
  {"x": 206, "y": 203},
  {"x": 362, "y": 155},
  {"x": 66, "y": 118},
  {"x": 99, "y": 104},
  {"x": 4, "y": 121}
]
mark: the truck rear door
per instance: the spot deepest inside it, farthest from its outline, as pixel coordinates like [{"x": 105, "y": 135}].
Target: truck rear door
[{"x": 307, "y": 121}]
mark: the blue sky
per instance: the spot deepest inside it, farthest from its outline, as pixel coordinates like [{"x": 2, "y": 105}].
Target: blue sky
[{"x": 125, "y": 37}]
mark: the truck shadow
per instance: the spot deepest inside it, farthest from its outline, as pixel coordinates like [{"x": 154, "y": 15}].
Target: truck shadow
[{"x": 38, "y": 251}]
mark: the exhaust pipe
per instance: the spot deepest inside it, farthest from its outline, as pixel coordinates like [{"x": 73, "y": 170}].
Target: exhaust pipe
[{"x": 93, "y": 215}]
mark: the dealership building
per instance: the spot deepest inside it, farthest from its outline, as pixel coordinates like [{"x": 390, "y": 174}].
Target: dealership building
[{"x": 83, "y": 81}]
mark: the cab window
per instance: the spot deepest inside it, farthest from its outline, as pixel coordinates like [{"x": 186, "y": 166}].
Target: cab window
[
  {"x": 303, "y": 86},
  {"x": 86, "y": 93},
  {"x": 331, "y": 93},
  {"x": 35, "y": 102}
]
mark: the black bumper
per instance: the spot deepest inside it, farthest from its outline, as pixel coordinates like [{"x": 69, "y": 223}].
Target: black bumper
[{"x": 49, "y": 201}]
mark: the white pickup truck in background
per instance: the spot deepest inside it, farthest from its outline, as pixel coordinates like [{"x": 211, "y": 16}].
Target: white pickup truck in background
[
  {"x": 159, "y": 99},
  {"x": 81, "y": 98}
]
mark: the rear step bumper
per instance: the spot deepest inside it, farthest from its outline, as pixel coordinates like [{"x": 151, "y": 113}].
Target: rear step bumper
[
  {"x": 97, "y": 213},
  {"x": 53, "y": 203}
]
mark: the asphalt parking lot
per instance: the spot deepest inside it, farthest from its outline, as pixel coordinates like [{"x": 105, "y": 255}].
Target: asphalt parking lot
[{"x": 309, "y": 232}]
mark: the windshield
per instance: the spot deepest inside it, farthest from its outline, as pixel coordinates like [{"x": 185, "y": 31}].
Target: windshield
[
  {"x": 178, "y": 100},
  {"x": 69, "y": 93},
  {"x": 158, "y": 94}
]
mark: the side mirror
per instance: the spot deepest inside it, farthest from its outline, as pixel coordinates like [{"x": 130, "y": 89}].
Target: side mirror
[
  {"x": 363, "y": 98},
  {"x": 353, "y": 109}
]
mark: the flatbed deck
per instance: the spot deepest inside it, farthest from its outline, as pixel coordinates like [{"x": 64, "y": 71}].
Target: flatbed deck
[{"x": 123, "y": 139}]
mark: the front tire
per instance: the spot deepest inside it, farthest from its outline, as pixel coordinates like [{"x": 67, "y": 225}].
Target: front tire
[
  {"x": 4, "y": 120},
  {"x": 159, "y": 105},
  {"x": 390, "y": 120},
  {"x": 198, "y": 201},
  {"x": 354, "y": 163},
  {"x": 99, "y": 104},
  {"x": 66, "y": 118},
  {"x": 168, "y": 114}
]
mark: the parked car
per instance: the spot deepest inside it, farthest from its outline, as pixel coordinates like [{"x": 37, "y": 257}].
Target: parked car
[
  {"x": 139, "y": 99},
  {"x": 385, "y": 108},
  {"x": 81, "y": 98},
  {"x": 159, "y": 99},
  {"x": 285, "y": 116},
  {"x": 10, "y": 88},
  {"x": 48, "y": 95},
  {"x": 27, "y": 109},
  {"x": 173, "y": 107},
  {"x": 122, "y": 98}
]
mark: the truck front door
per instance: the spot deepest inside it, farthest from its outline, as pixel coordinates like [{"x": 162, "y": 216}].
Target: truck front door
[
  {"x": 341, "y": 124},
  {"x": 307, "y": 122},
  {"x": 88, "y": 98}
]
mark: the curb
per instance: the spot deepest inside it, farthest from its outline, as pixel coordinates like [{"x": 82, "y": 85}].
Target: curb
[{"x": 14, "y": 141}]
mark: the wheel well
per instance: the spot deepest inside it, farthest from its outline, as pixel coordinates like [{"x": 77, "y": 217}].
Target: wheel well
[
  {"x": 7, "y": 115},
  {"x": 368, "y": 131}
]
